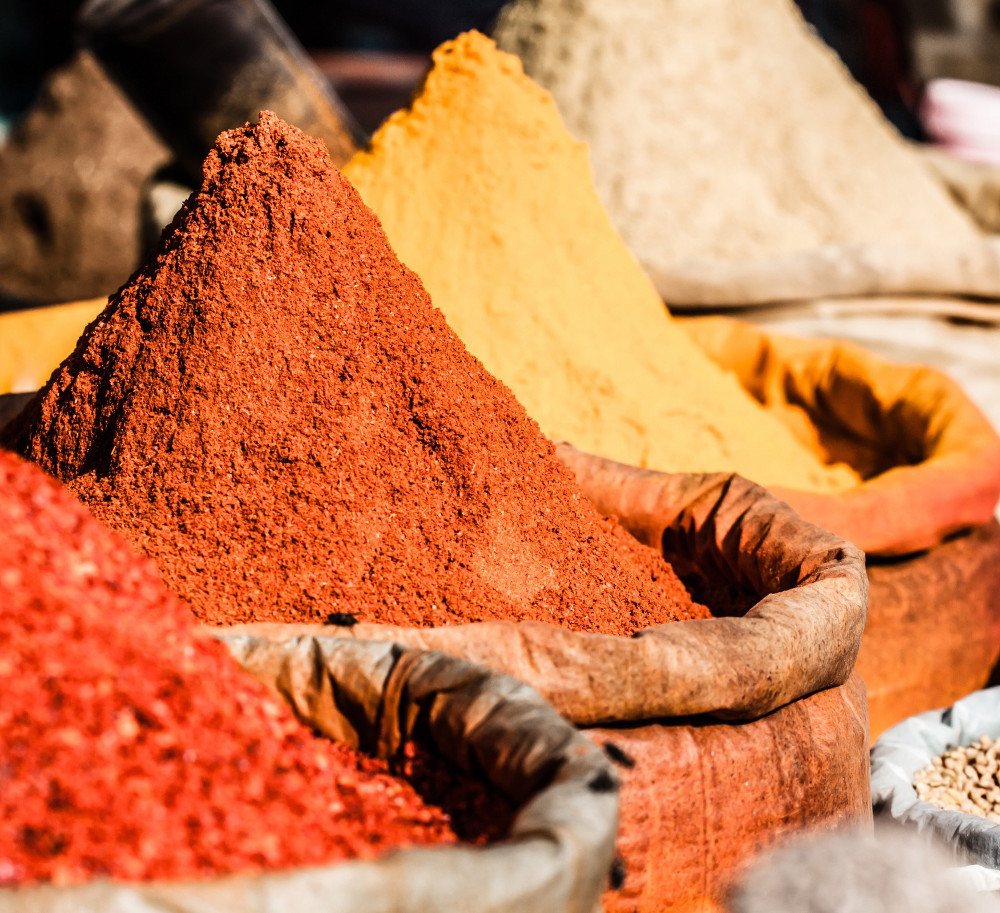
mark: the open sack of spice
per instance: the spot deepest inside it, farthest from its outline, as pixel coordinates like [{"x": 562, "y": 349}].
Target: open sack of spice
[
  {"x": 930, "y": 464},
  {"x": 933, "y": 625},
  {"x": 533, "y": 277},
  {"x": 273, "y": 410},
  {"x": 144, "y": 770},
  {"x": 927, "y": 457},
  {"x": 741, "y": 161}
]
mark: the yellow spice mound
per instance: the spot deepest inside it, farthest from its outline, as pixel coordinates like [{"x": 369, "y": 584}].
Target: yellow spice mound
[
  {"x": 486, "y": 196},
  {"x": 34, "y": 342}
]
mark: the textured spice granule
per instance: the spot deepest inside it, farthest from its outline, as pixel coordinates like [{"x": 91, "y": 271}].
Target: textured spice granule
[
  {"x": 132, "y": 750},
  {"x": 273, "y": 410}
]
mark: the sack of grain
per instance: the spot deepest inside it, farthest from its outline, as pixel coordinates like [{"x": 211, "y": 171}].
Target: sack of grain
[
  {"x": 903, "y": 765},
  {"x": 377, "y": 697},
  {"x": 689, "y": 816}
]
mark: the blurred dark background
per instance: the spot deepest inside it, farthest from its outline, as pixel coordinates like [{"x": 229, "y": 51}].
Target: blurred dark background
[
  {"x": 86, "y": 183},
  {"x": 890, "y": 46},
  {"x": 36, "y": 37}
]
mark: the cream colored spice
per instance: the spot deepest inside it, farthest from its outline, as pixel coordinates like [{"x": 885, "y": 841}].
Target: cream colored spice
[{"x": 726, "y": 130}]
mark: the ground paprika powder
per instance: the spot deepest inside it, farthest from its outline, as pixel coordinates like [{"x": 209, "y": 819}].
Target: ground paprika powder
[
  {"x": 132, "y": 749},
  {"x": 274, "y": 411}
]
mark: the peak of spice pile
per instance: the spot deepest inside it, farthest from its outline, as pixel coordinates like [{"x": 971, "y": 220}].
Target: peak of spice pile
[
  {"x": 130, "y": 749},
  {"x": 483, "y": 192},
  {"x": 964, "y": 779},
  {"x": 726, "y": 130},
  {"x": 273, "y": 410}
]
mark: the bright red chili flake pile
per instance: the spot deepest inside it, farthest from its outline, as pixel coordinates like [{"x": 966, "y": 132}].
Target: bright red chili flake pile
[
  {"x": 273, "y": 410},
  {"x": 131, "y": 749}
]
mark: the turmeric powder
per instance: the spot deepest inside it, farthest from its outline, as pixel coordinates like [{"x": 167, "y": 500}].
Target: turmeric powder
[{"x": 485, "y": 195}]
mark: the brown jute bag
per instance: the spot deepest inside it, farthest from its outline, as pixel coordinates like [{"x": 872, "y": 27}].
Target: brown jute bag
[
  {"x": 933, "y": 632},
  {"x": 929, "y": 459},
  {"x": 376, "y": 696},
  {"x": 779, "y": 675},
  {"x": 933, "y": 623},
  {"x": 756, "y": 783}
]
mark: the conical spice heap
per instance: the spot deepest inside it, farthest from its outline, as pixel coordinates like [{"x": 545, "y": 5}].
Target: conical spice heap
[
  {"x": 273, "y": 410},
  {"x": 726, "y": 130}
]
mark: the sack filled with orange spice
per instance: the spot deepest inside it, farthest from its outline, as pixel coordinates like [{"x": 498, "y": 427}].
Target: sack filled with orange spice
[
  {"x": 929, "y": 460},
  {"x": 273, "y": 411},
  {"x": 930, "y": 468}
]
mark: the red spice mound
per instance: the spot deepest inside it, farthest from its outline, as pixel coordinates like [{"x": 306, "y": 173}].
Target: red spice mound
[
  {"x": 132, "y": 750},
  {"x": 274, "y": 411}
]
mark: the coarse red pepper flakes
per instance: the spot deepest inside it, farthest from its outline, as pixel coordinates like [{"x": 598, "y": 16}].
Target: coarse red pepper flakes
[
  {"x": 273, "y": 410},
  {"x": 131, "y": 749}
]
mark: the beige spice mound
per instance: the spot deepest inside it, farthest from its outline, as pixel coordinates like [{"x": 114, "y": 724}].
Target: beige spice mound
[
  {"x": 964, "y": 779},
  {"x": 484, "y": 194},
  {"x": 726, "y": 130}
]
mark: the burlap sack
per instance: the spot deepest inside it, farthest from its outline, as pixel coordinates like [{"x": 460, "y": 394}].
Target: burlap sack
[
  {"x": 929, "y": 458},
  {"x": 933, "y": 632},
  {"x": 833, "y": 271},
  {"x": 706, "y": 797},
  {"x": 376, "y": 696},
  {"x": 933, "y": 622},
  {"x": 689, "y": 816}
]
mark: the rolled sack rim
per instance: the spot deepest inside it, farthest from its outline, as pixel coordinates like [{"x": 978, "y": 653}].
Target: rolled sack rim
[
  {"x": 804, "y": 633},
  {"x": 907, "y": 508},
  {"x": 561, "y": 845},
  {"x": 802, "y": 636},
  {"x": 866, "y": 515}
]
